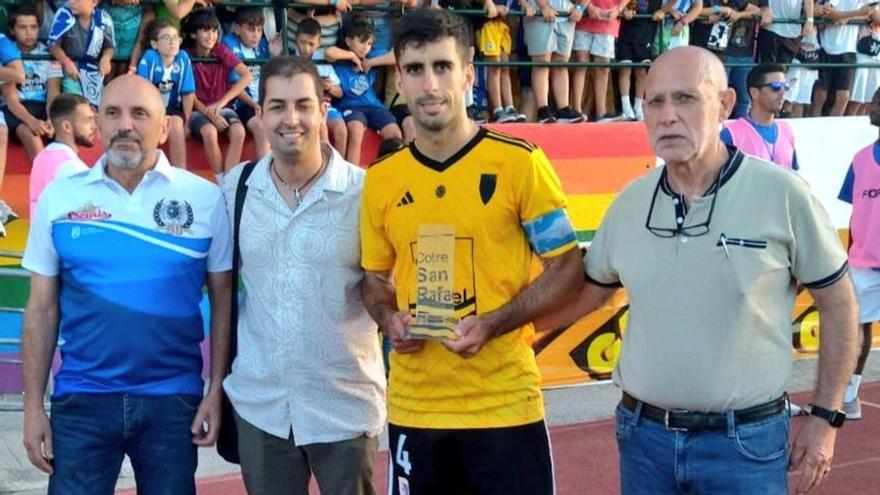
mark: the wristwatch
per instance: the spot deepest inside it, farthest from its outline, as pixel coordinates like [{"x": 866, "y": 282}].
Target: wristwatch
[{"x": 834, "y": 418}]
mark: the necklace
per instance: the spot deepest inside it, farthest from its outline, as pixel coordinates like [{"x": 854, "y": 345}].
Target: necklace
[{"x": 296, "y": 190}]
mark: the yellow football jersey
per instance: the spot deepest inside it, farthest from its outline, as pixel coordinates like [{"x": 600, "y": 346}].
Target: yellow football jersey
[{"x": 499, "y": 193}]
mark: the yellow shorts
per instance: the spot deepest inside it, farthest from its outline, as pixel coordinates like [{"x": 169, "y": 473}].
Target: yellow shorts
[{"x": 493, "y": 39}]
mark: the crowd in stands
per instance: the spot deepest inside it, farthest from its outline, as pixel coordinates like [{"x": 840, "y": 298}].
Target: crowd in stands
[{"x": 92, "y": 41}]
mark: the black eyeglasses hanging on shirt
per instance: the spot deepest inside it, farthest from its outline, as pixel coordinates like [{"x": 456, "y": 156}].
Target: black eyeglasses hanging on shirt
[{"x": 695, "y": 230}]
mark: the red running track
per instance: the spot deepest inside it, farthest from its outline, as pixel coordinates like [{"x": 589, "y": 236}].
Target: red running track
[{"x": 585, "y": 456}]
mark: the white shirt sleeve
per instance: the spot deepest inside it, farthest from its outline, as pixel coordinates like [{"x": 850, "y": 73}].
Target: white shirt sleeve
[
  {"x": 220, "y": 252},
  {"x": 39, "y": 255}
]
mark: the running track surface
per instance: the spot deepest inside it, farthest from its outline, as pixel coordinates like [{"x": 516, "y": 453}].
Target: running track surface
[{"x": 585, "y": 456}]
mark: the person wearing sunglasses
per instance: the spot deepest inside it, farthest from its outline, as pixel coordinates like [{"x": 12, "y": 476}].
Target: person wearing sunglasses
[
  {"x": 758, "y": 133},
  {"x": 710, "y": 248}
]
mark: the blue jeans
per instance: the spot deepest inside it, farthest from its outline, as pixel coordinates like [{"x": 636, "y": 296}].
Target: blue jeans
[
  {"x": 736, "y": 78},
  {"x": 745, "y": 459},
  {"x": 92, "y": 432}
]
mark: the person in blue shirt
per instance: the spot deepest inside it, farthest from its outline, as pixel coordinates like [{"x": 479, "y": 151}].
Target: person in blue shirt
[
  {"x": 170, "y": 70},
  {"x": 361, "y": 107},
  {"x": 247, "y": 42},
  {"x": 11, "y": 71},
  {"x": 27, "y": 104}
]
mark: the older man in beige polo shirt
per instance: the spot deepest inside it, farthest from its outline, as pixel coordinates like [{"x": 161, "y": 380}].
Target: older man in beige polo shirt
[{"x": 710, "y": 249}]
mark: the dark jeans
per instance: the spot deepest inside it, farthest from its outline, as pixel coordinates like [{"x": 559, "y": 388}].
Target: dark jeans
[
  {"x": 736, "y": 77},
  {"x": 92, "y": 432},
  {"x": 272, "y": 465},
  {"x": 748, "y": 459}
]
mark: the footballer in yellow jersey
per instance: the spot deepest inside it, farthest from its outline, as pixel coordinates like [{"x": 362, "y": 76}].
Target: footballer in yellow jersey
[{"x": 449, "y": 226}]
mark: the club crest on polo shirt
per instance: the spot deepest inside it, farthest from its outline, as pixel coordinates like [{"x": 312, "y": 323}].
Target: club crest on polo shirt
[
  {"x": 173, "y": 217},
  {"x": 89, "y": 211}
]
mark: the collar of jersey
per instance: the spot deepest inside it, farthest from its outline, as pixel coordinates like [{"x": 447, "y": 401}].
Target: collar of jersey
[{"x": 445, "y": 164}]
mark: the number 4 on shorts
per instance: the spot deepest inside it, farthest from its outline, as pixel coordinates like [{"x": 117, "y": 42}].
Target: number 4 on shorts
[{"x": 402, "y": 456}]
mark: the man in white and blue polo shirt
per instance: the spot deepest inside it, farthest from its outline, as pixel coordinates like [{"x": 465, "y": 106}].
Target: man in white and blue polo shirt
[{"x": 118, "y": 256}]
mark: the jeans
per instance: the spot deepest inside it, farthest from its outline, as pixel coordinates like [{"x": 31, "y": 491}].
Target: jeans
[
  {"x": 746, "y": 459},
  {"x": 736, "y": 77},
  {"x": 92, "y": 432}
]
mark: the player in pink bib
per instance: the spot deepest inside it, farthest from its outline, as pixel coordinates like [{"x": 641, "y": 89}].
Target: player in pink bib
[
  {"x": 861, "y": 189},
  {"x": 74, "y": 123},
  {"x": 758, "y": 133}
]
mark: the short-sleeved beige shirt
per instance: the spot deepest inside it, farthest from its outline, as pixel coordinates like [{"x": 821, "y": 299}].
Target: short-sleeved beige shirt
[{"x": 709, "y": 325}]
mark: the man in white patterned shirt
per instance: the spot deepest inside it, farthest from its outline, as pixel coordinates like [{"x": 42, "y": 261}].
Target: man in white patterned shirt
[{"x": 308, "y": 383}]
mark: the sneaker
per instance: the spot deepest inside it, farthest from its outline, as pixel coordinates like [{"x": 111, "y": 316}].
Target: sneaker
[
  {"x": 476, "y": 115},
  {"x": 640, "y": 115},
  {"x": 610, "y": 117},
  {"x": 520, "y": 117},
  {"x": 795, "y": 410},
  {"x": 545, "y": 116},
  {"x": 629, "y": 116},
  {"x": 505, "y": 116},
  {"x": 853, "y": 409},
  {"x": 569, "y": 115}
]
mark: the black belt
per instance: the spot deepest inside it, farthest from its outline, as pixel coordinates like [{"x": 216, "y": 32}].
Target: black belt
[{"x": 684, "y": 420}]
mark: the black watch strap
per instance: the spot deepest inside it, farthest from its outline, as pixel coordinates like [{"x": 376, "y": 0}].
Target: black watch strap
[{"x": 834, "y": 418}]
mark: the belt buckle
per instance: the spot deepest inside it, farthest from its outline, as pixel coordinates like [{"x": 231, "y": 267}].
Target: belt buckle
[{"x": 666, "y": 419}]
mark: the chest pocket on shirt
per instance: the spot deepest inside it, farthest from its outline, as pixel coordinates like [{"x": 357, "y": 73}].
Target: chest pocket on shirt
[{"x": 750, "y": 260}]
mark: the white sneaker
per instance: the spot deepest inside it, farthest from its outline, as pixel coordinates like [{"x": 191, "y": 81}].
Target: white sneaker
[
  {"x": 853, "y": 409},
  {"x": 640, "y": 115},
  {"x": 629, "y": 116}
]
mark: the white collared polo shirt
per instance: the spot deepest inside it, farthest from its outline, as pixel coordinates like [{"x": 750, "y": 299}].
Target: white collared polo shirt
[{"x": 131, "y": 270}]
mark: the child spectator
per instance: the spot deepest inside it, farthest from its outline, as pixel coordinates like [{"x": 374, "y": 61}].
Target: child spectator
[
  {"x": 802, "y": 79},
  {"x": 11, "y": 72},
  {"x": 170, "y": 70},
  {"x": 839, "y": 47},
  {"x": 550, "y": 38},
  {"x": 128, "y": 25},
  {"x": 595, "y": 35},
  {"x": 26, "y": 104},
  {"x": 82, "y": 40},
  {"x": 214, "y": 92},
  {"x": 494, "y": 42},
  {"x": 634, "y": 46},
  {"x": 308, "y": 39},
  {"x": 248, "y": 43},
  {"x": 676, "y": 16},
  {"x": 74, "y": 122},
  {"x": 360, "y": 106},
  {"x": 866, "y": 79}
]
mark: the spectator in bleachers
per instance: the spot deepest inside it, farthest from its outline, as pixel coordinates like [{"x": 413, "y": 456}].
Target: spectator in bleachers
[
  {"x": 778, "y": 42},
  {"x": 360, "y": 106},
  {"x": 248, "y": 43},
  {"x": 128, "y": 25},
  {"x": 334, "y": 130},
  {"x": 170, "y": 70},
  {"x": 83, "y": 40},
  {"x": 594, "y": 39},
  {"x": 634, "y": 46},
  {"x": 26, "y": 104},
  {"x": 759, "y": 133},
  {"x": 214, "y": 92},
  {"x": 494, "y": 43},
  {"x": 6, "y": 7},
  {"x": 11, "y": 72},
  {"x": 674, "y": 30},
  {"x": 866, "y": 79},
  {"x": 175, "y": 10},
  {"x": 802, "y": 79},
  {"x": 550, "y": 38},
  {"x": 326, "y": 12},
  {"x": 74, "y": 122},
  {"x": 839, "y": 46}
]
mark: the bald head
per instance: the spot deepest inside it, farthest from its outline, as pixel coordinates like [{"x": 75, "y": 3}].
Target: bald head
[
  {"x": 133, "y": 87},
  {"x": 687, "y": 99},
  {"x": 132, "y": 121},
  {"x": 691, "y": 60}
]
